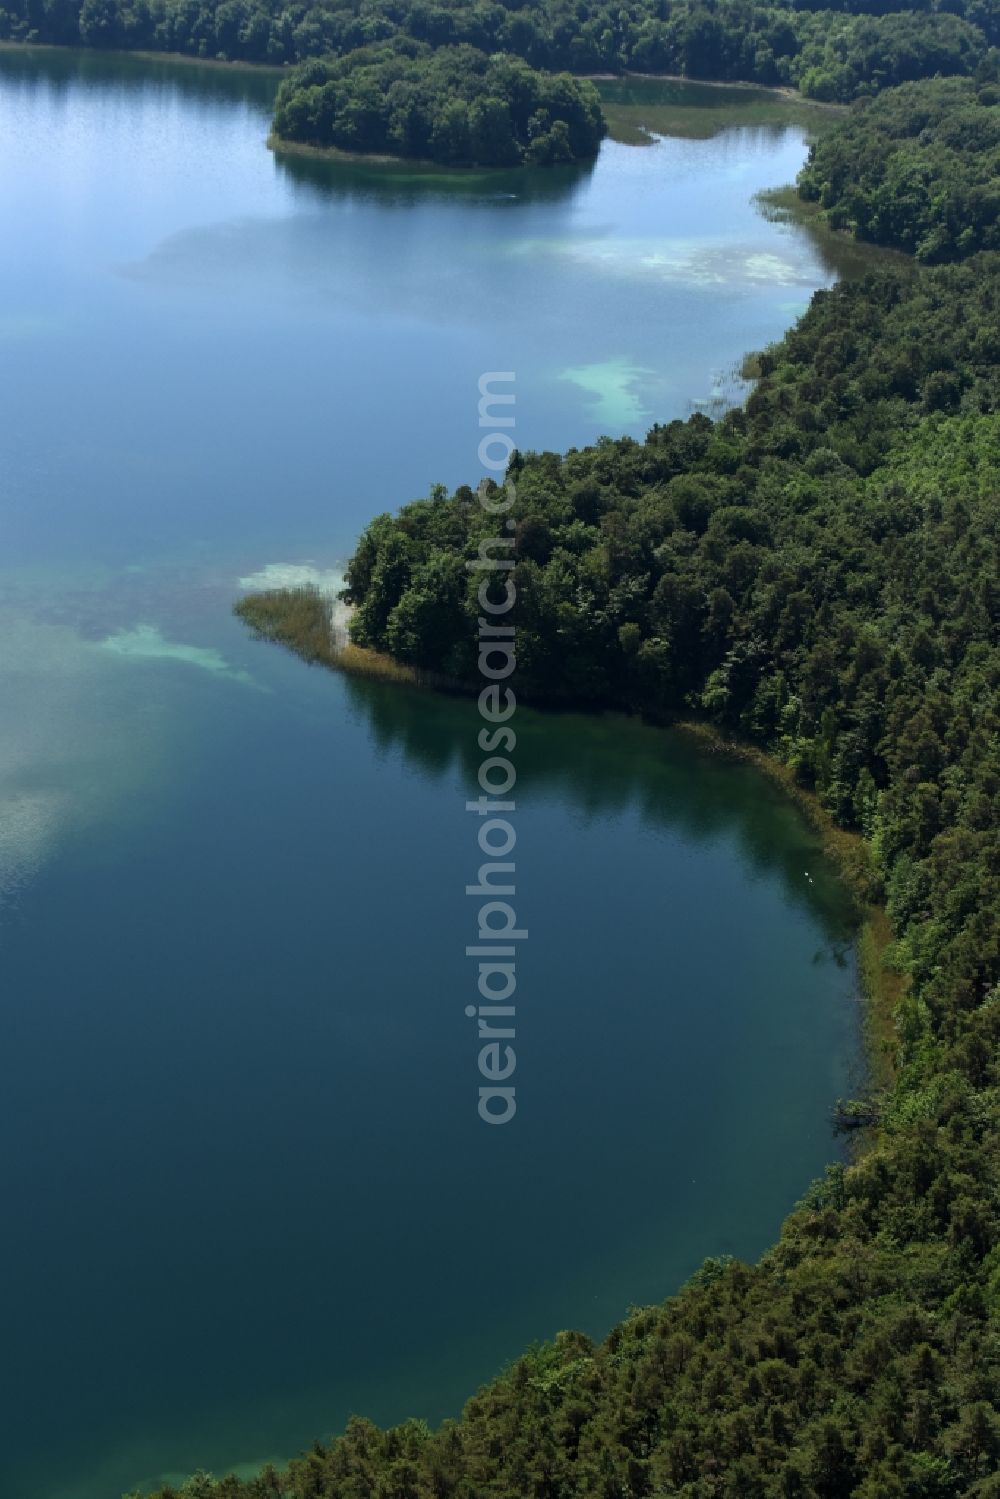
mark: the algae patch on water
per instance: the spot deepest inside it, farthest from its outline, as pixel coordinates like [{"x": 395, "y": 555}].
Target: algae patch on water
[
  {"x": 711, "y": 264},
  {"x": 146, "y": 643},
  {"x": 60, "y": 770},
  {"x": 327, "y": 580},
  {"x": 612, "y": 387}
]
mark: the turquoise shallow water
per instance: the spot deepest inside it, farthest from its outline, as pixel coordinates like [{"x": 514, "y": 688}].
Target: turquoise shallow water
[{"x": 246, "y": 1188}]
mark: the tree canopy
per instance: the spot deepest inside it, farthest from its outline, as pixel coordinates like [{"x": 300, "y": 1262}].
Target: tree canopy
[
  {"x": 833, "y": 51},
  {"x": 918, "y": 168},
  {"x": 453, "y": 105}
]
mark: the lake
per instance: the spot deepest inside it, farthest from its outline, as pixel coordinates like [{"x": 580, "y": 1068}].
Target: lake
[{"x": 247, "y": 1191}]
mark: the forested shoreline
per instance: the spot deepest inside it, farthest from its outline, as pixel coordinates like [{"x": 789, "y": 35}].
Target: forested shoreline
[
  {"x": 833, "y": 52},
  {"x": 816, "y": 573},
  {"x": 414, "y": 78},
  {"x": 917, "y": 169}
]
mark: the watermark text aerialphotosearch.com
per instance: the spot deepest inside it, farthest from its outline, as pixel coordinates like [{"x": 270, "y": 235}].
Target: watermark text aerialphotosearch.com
[{"x": 497, "y": 927}]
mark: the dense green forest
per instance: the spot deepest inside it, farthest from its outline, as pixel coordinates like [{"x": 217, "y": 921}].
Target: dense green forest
[
  {"x": 451, "y": 104},
  {"x": 829, "y": 52},
  {"x": 918, "y": 167},
  {"x": 817, "y": 573}
]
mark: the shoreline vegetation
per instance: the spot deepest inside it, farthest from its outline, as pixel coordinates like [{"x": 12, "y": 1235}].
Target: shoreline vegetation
[
  {"x": 299, "y": 619},
  {"x": 811, "y": 582},
  {"x": 276, "y": 70},
  {"x": 918, "y": 169},
  {"x": 826, "y": 53},
  {"x": 418, "y": 165},
  {"x": 422, "y": 165},
  {"x": 854, "y": 255}
]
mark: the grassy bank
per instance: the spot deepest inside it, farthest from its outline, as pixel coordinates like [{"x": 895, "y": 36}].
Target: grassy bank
[
  {"x": 639, "y": 107},
  {"x": 852, "y": 257},
  {"x": 414, "y": 166},
  {"x": 145, "y": 55},
  {"x": 300, "y": 619}
]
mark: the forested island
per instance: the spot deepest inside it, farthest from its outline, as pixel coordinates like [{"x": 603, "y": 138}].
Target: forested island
[
  {"x": 815, "y": 574},
  {"x": 453, "y": 105}
]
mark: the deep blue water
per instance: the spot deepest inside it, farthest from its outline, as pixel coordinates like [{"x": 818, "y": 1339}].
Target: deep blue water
[{"x": 246, "y": 1188}]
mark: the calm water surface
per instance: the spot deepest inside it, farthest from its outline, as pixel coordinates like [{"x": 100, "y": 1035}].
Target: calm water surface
[{"x": 246, "y": 1191}]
